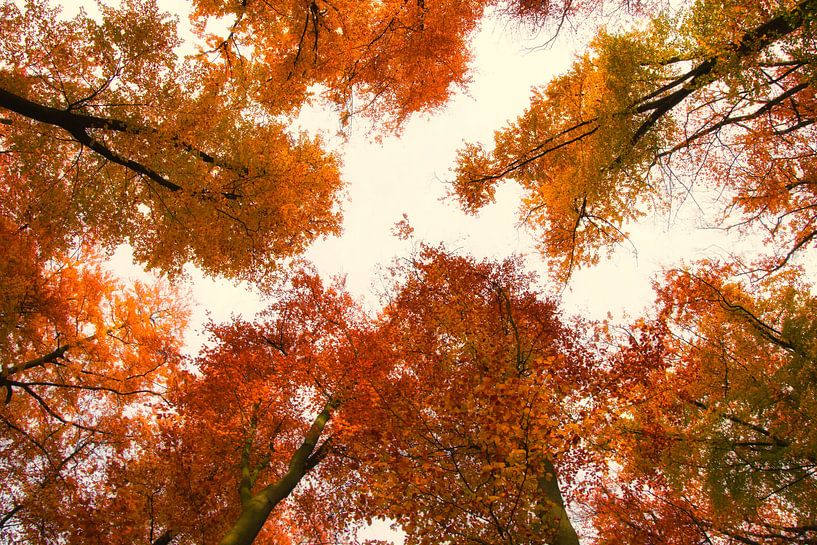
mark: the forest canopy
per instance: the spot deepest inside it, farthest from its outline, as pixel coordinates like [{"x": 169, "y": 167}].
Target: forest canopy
[{"x": 469, "y": 407}]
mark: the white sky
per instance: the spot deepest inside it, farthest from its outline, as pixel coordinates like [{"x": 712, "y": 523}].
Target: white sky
[{"x": 409, "y": 174}]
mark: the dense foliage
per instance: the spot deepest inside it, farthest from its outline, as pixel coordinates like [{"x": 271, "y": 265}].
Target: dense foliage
[{"x": 468, "y": 409}]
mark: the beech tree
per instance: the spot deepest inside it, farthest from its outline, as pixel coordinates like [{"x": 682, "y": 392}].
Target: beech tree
[
  {"x": 468, "y": 410},
  {"x": 481, "y": 425},
  {"x": 249, "y": 436},
  {"x": 459, "y": 415},
  {"x": 713, "y": 435},
  {"x": 109, "y": 136},
  {"x": 84, "y": 359},
  {"x": 721, "y": 94}
]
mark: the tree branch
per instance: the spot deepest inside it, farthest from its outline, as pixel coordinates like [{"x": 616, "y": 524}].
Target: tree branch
[
  {"x": 78, "y": 125},
  {"x": 752, "y": 42}
]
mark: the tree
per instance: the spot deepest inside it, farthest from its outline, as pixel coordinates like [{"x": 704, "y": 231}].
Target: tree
[
  {"x": 112, "y": 138},
  {"x": 724, "y": 89},
  {"x": 714, "y": 439},
  {"x": 383, "y": 60},
  {"x": 84, "y": 360},
  {"x": 460, "y": 414},
  {"x": 480, "y": 427},
  {"x": 109, "y": 136},
  {"x": 263, "y": 412}
]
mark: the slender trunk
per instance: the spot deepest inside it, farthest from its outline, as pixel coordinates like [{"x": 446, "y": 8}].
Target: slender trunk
[
  {"x": 165, "y": 538},
  {"x": 256, "y": 509},
  {"x": 556, "y": 523}
]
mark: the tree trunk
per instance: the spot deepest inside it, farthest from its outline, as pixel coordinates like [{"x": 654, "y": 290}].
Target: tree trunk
[
  {"x": 556, "y": 523},
  {"x": 256, "y": 510}
]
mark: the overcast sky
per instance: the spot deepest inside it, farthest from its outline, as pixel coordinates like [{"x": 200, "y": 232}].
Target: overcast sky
[{"x": 409, "y": 174}]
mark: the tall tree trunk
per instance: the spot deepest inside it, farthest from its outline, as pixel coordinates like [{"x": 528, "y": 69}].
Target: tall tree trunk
[
  {"x": 257, "y": 508},
  {"x": 555, "y": 521}
]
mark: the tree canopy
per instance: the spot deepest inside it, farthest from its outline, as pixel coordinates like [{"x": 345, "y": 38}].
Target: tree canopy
[
  {"x": 469, "y": 407},
  {"x": 719, "y": 94}
]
